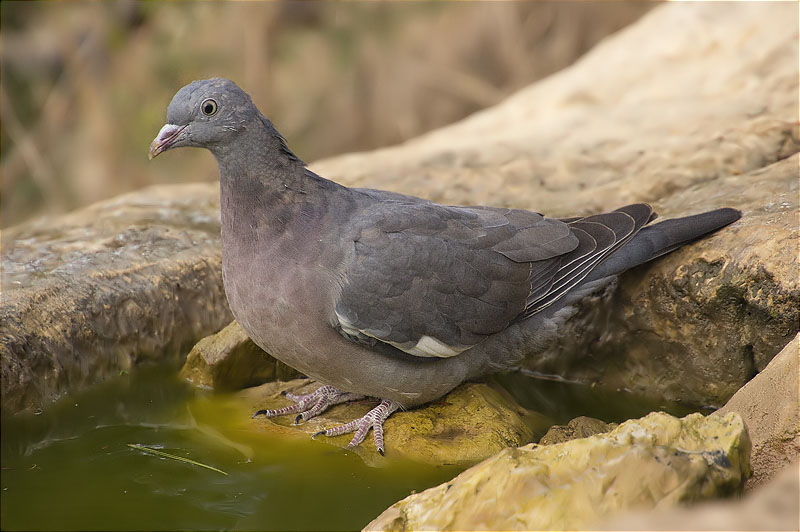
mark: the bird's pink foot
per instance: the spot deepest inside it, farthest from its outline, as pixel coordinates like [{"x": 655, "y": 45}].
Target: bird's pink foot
[
  {"x": 373, "y": 419},
  {"x": 312, "y": 404}
]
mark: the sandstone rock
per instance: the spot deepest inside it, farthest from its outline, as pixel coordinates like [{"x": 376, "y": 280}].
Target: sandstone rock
[
  {"x": 771, "y": 507},
  {"x": 470, "y": 423},
  {"x": 696, "y": 325},
  {"x": 702, "y": 119},
  {"x": 636, "y": 119},
  {"x": 130, "y": 280},
  {"x": 770, "y": 407},
  {"x": 229, "y": 360},
  {"x": 580, "y": 427},
  {"x": 653, "y": 462}
]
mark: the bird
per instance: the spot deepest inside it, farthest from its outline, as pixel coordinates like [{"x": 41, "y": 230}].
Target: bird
[{"x": 389, "y": 296}]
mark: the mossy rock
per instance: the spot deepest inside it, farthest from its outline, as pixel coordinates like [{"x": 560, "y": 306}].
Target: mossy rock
[{"x": 472, "y": 422}]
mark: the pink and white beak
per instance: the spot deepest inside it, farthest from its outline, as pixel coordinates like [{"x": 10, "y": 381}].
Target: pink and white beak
[{"x": 165, "y": 138}]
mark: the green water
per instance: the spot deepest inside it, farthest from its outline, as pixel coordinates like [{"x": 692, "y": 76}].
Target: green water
[
  {"x": 71, "y": 467},
  {"x": 560, "y": 401}
]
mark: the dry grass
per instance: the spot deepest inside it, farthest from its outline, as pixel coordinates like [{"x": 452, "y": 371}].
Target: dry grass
[{"x": 85, "y": 85}]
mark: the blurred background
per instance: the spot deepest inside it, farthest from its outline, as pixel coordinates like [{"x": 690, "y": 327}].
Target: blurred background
[{"x": 85, "y": 85}]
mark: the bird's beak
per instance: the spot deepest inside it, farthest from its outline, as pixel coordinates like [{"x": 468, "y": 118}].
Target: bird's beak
[{"x": 164, "y": 140}]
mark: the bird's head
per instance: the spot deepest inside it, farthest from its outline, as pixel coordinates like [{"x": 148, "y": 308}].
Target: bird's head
[{"x": 204, "y": 114}]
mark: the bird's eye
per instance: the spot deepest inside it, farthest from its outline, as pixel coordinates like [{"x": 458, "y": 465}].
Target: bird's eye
[{"x": 209, "y": 107}]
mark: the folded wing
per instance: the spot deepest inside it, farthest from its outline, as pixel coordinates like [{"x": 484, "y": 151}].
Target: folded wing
[{"x": 433, "y": 281}]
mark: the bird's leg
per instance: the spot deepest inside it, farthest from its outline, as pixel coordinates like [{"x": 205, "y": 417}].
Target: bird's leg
[
  {"x": 374, "y": 418},
  {"x": 311, "y": 404}
]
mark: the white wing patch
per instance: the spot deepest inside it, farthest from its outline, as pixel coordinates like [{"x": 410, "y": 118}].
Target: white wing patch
[
  {"x": 347, "y": 325},
  {"x": 427, "y": 346}
]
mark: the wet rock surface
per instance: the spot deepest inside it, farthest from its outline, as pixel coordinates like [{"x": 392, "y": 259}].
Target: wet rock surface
[
  {"x": 130, "y": 280},
  {"x": 653, "y": 462},
  {"x": 230, "y": 360},
  {"x": 472, "y": 422}
]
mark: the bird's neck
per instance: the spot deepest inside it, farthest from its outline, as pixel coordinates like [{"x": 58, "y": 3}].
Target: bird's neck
[{"x": 267, "y": 192}]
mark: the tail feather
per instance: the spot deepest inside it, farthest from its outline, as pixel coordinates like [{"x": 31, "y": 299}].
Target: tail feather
[{"x": 661, "y": 238}]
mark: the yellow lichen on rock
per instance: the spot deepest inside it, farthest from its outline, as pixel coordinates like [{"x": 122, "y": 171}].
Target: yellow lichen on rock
[
  {"x": 472, "y": 422},
  {"x": 230, "y": 360},
  {"x": 652, "y": 462}
]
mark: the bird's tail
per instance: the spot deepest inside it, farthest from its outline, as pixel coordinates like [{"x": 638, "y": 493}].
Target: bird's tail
[{"x": 660, "y": 238}]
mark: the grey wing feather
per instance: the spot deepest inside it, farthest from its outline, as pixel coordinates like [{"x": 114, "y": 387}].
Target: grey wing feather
[
  {"x": 434, "y": 281},
  {"x": 610, "y": 232}
]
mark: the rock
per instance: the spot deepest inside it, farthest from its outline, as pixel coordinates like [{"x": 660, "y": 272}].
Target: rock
[
  {"x": 229, "y": 360},
  {"x": 703, "y": 118},
  {"x": 130, "y": 280},
  {"x": 635, "y": 119},
  {"x": 770, "y": 407},
  {"x": 580, "y": 427},
  {"x": 771, "y": 507},
  {"x": 697, "y": 324},
  {"x": 653, "y": 462},
  {"x": 467, "y": 425}
]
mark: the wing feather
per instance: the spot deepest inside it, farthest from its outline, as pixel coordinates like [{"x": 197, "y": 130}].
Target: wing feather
[{"x": 433, "y": 281}]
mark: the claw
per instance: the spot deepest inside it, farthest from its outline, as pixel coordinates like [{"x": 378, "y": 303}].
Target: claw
[
  {"x": 373, "y": 419},
  {"x": 306, "y": 406},
  {"x": 311, "y": 404}
]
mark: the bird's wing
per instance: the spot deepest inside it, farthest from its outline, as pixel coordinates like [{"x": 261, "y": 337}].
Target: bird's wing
[
  {"x": 434, "y": 281},
  {"x": 599, "y": 236}
]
